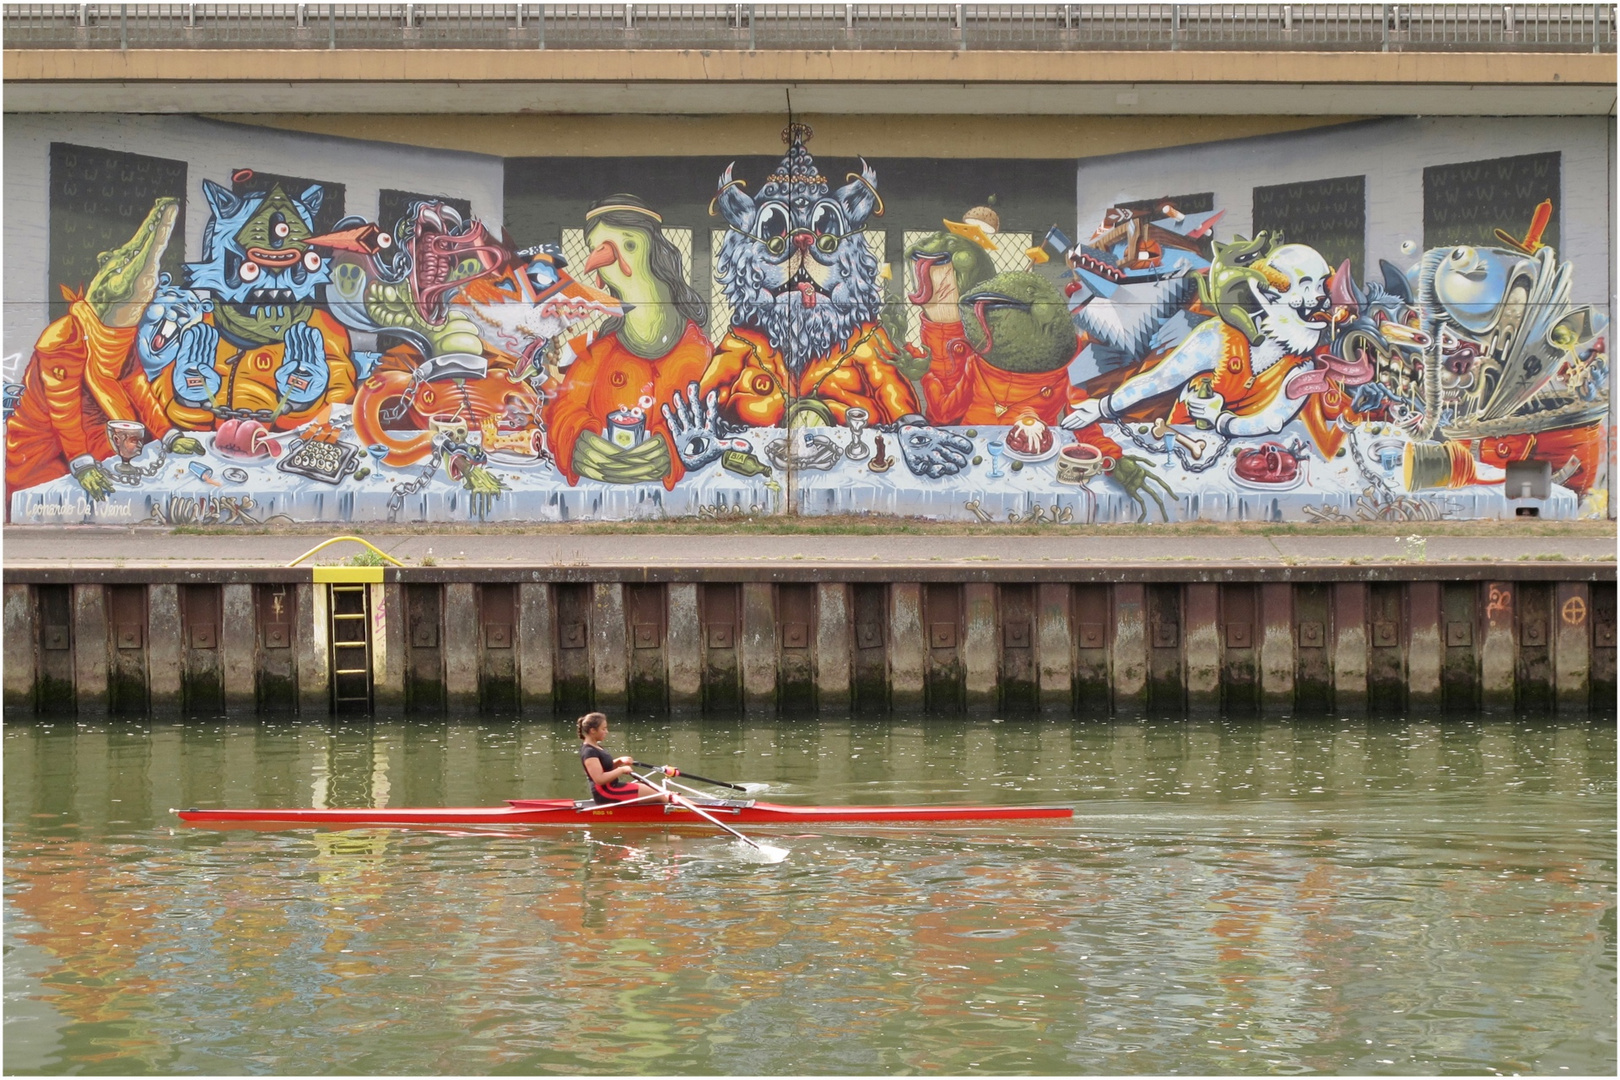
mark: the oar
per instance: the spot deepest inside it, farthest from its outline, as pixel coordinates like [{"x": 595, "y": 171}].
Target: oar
[
  {"x": 693, "y": 776},
  {"x": 681, "y": 800}
]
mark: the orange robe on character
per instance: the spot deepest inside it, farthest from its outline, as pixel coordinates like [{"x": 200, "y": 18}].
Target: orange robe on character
[
  {"x": 607, "y": 377},
  {"x": 964, "y": 388},
  {"x": 755, "y": 385},
  {"x": 82, "y": 374},
  {"x": 248, "y": 379}
]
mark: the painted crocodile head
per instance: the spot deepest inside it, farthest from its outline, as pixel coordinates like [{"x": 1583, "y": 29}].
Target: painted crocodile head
[
  {"x": 257, "y": 261},
  {"x": 934, "y": 258},
  {"x": 1019, "y": 322},
  {"x": 128, "y": 275}
]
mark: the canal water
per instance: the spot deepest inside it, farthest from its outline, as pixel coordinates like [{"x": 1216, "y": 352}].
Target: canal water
[{"x": 1235, "y": 896}]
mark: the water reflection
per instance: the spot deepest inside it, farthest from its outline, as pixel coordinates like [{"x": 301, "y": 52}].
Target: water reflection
[{"x": 1232, "y": 897}]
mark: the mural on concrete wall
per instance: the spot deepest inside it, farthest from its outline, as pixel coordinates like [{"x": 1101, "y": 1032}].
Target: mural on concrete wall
[{"x": 311, "y": 366}]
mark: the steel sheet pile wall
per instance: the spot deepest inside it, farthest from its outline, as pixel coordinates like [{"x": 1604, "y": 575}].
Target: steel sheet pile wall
[{"x": 553, "y": 644}]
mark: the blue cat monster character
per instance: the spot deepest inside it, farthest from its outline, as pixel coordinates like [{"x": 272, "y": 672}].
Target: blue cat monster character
[
  {"x": 267, "y": 349},
  {"x": 806, "y": 343},
  {"x": 171, "y": 313}
]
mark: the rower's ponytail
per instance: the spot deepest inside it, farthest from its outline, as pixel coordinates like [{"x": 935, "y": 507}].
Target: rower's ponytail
[{"x": 590, "y": 722}]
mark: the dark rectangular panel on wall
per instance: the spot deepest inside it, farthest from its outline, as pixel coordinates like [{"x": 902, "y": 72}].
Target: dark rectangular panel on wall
[
  {"x": 574, "y": 686},
  {"x": 1328, "y": 215},
  {"x": 795, "y": 644},
  {"x": 327, "y": 215},
  {"x": 99, "y": 198},
  {"x": 1460, "y": 639},
  {"x": 870, "y": 606},
  {"x": 1601, "y": 621},
  {"x": 54, "y": 690},
  {"x": 646, "y": 622},
  {"x": 127, "y": 673},
  {"x": 720, "y": 630},
  {"x": 1466, "y": 202},
  {"x": 944, "y": 677},
  {"x": 1533, "y": 625},
  {"x": 424, "y": 647},
  {"x": 1019, "y": 682},
  {"x": 276, "y": 670},
  {"x": 1386, "y": 646},
  {"x": 497, "y": 654},
  {"x": 1093, "y": 622},
  {"x": 1240, "y": 634},
  {"x": 202, "y": 686},
  {"x": 1167, "y": 689},
  {"x": 1313, "y": 653}
]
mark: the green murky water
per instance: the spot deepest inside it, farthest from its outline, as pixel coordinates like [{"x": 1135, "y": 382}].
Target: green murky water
[{"x": 1232, "y": 897}]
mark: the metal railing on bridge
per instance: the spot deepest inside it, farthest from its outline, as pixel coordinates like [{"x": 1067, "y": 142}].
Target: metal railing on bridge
[{"x": 1015, "y": 27}]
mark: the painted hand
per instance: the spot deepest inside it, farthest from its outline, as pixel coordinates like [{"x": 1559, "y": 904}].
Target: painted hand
[
  {"x": 363, "y": 363},
  {"x": 302, "y": 377},
  {"x": 931, "y": 451},
  {"x": 695, "y": 427},
  {"x": 96, "y": 481},
  {"x": 1207, "y": 409},
  {"x": 195, "y": 379},
  {"x": 186, "y": 444},
  {"x": 1084, "y": 415},
  {"x": 1137, "y": 478}
]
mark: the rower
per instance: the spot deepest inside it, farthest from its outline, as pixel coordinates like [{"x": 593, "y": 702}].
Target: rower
[{"x": 607, "y": 772}]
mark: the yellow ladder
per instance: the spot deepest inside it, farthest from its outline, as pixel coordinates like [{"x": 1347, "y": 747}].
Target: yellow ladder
[{"x": 349, "y": 605}]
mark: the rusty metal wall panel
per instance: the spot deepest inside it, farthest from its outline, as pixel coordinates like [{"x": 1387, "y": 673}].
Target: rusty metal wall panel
[
  {"x": 1496, "y": 662},
  {"x": 536, "y": 647},
  {"x": 1201, "y": 644},
  {"x": 610, "y": 669},
  {"x": 388, "y": 621},
  {"x": 683, "y": 646},
  {"x": 127, "y": 664},
  {"x": 1534, "y": 620},
  {"x": 1167, "y": 687},
  {"x": 1277, "y": 663},
  {"x": 720, "y": 623},
  {"x": 1386, "y": 646},
  {"x": 424, "y": 648},
  {"x": 1425, "y": 644},
  {"x": 944, "y": 681},
  {"x": 238, "y": 647},
  {"x": 1601, "y": 620},
  {"x": 796, "y": 639},
  {"x": 497, "y": 656},
  {"x": 201, "y": 670},
  {"x": 1313, "y": 659},
  {"x": 1092, "y": 621},
  {"x": 21, "y": 642},
  {"x": 574, "y": 692},
  {"x": 758, "y": 644},
  {"x": 1572, "y": 645},
  {"x": 869, "y": 610},
  {"x": 1005, "y": 619},
  {"x": 1055, "y": 647},
  {"x": 1130, "y": 644},
  {"x": 647, "y": 622},
  {"x": 1349, "y": 645},
  {"x": 275, "y": 614},
  {"x": 58, "y": 666},
  {"x": 834, "y": 644},
  {"x": 1460, "y": 633},
  {"x": 461, "y": 644},
  {"x": 90, "y": 646},
  {"x": 907, "y": 642},
  {"x": 1240, "y": 637}
]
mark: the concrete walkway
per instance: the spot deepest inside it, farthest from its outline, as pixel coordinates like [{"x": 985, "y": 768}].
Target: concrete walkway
[{"x": 95, "y": 547}]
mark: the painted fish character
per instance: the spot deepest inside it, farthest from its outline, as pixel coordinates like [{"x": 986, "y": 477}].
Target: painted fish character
[{"x": 171, "y": 313}]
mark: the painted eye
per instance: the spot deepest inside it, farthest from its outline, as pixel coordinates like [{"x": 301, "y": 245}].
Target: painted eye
[
  {"x": 280, "y": 230},
  {"x": 312, "y": 261},
  {"x": 384, "y": 241},
  {"x": 1462, "y": 254},
  {"x": 249, "y": 271},
  {"x": 827, "y": 221},
  {"x": 773, "y": 220}
]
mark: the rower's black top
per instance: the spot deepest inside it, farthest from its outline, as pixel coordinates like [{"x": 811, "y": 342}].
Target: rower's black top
[{"x": 615, "y": 791}]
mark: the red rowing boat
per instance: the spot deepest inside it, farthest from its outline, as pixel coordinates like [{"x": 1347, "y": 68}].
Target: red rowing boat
[{"x": 584, "y": 811}]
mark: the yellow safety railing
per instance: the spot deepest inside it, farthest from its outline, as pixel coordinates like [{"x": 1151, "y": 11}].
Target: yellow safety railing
[{"x": 347, "y": 574}]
